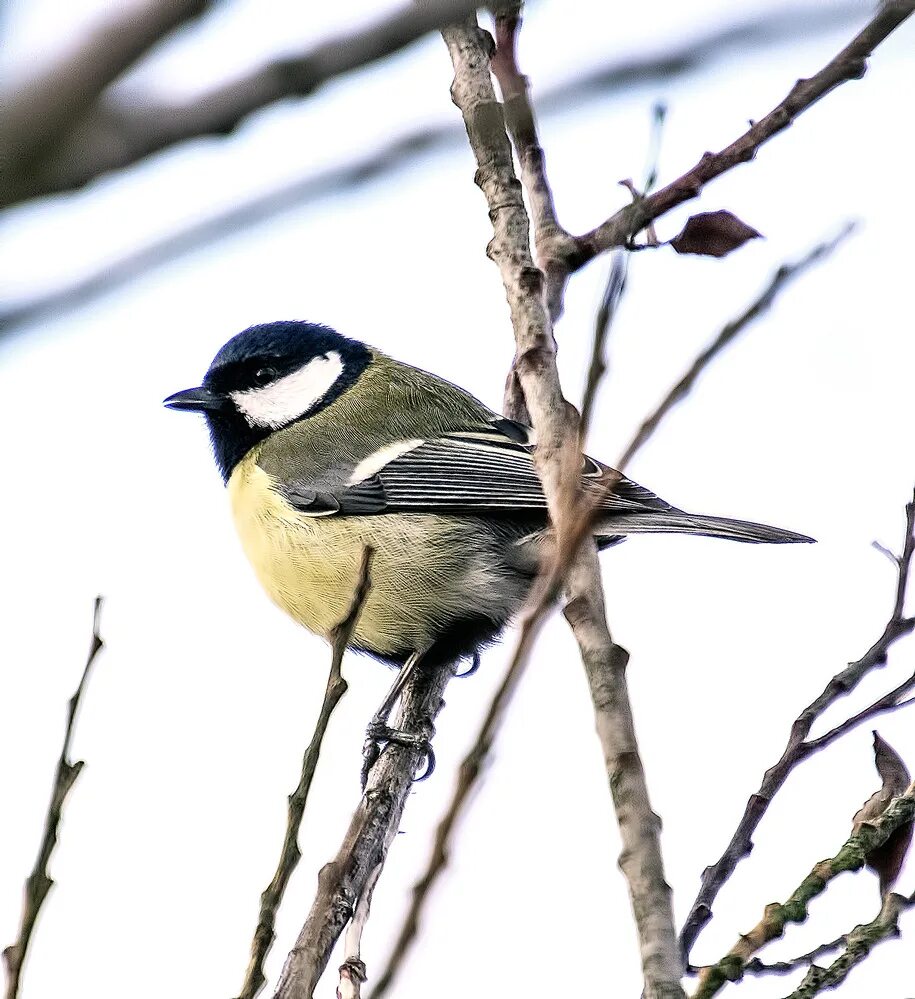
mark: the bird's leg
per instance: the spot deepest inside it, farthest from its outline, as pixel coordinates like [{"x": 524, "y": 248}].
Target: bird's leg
[{"x": 379, "y": 732}]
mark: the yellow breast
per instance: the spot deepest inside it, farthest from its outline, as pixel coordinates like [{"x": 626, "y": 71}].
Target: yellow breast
[{"x": 309, "y": 565}]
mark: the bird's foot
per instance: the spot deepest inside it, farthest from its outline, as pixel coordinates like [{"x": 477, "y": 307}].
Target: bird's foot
[{"x": 378, "y": 735}]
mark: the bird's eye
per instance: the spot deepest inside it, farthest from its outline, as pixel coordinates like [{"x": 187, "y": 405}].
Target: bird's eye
[{"x": 264, "y": 376}]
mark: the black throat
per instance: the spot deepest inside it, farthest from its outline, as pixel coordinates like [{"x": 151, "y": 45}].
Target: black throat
[{"x": 232, "y": 438}]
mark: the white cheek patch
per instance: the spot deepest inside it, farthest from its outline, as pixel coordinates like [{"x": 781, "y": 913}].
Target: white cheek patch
[
  {"x": 375, "y": 462},
  {"x": 291, "y": 396}
]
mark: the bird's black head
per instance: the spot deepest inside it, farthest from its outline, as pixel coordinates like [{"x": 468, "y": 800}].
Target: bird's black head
[{"x": 267, "y": 377}]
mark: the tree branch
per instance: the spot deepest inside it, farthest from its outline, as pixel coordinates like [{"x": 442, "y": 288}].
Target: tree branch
[
  {"x": 352, "y": 971},
  {"x": 606, "y": 313},
  {"x": 851, "y": 857},
  {"x": 39, "y": 882},
  {"x": 117, "y": 132},
  {"x": 616, "y": 280},
  {"x": 858, "y": 944},
  {"x": 35, "y": 115},
  {"x": 290, "y": 854},
  {"x": 536, "y": 387},
  {"x": 343, "y": 882},
  {"x": 780, "y": 280},
  {"x": 799, "y": 749},
  {"x": 766, "y": 30},
  {"x": 758, "y": 967},
  {"x": 113, "y": 137},
  {"x": 471, "y": 769},
  {"x": 849, "y": 64}
]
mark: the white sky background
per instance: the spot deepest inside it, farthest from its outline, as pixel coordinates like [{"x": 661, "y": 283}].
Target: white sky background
[{"x": 195, "y": 720}]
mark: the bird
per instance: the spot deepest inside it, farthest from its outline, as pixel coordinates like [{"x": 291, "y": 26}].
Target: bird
[{"x": 328, "y": 446}]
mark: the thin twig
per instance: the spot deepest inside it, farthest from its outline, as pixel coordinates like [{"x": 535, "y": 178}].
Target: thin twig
[
  {"x": 799, "y": 749},
  {"x": 616, "y": 281},
  {"x": 858, "y": 944},
  {"x": 39, "y": 882},
  {"x": 884, "y": 705},
  {"x": 779, "y": 281},
  {"x": 290, "y": 854},
  {"x": 758, "y": 967},
  {"x": 606, "y": 313},
  {"x": 352, "y": 971},
  {"x": 851, "y": 857},
  {"x": 849, "y": 64}
]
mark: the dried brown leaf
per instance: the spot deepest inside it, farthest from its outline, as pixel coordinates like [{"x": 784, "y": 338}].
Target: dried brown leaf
[
  {"x": 713, "y": 234},
  {"x": 886, "y": 861}
]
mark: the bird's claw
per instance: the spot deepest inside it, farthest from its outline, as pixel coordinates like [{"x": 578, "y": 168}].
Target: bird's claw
[
  {"x": 378, "y": 735},
  {"x": 471, "y": 669}
]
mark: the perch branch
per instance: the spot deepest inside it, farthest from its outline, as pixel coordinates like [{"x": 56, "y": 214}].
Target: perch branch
[
  {"x": 342, "y": 883},
  {"x": 799, "y": 748},
  {"x": 851, "y": 857},
  {"x": 780, "y": 280},
  {"x": 474, "y": 763},
  {"x": 290, "y": 854},
  {"x": 39, "y": 882}
]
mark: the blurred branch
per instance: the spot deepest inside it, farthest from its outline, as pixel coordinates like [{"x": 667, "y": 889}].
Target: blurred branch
[
  {"x": 290, "y": 854},
  {"x": 616, "y": 280},
  {"x": 858, "y": 944},
  {"x": 112, "y": 137},
  {"x": 39, "y": 882},
  {"x": 767, "y": 30},
  {"x": 851, "y": 857},
  {"x": 117, "y": 133},
  {"x": 849, "y": 64},
  {"x": 33, "y": 115},
  {"x": 606, "y": 313},
  {"x": 343, "y": 883},
  {"x": 799, "y": 748},
  {"x": 780, "y": 280}
]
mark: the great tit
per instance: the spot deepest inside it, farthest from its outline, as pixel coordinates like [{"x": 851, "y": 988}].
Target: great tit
[{"x": 329, "y": 446}]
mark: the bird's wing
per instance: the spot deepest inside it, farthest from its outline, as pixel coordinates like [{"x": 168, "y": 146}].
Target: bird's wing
[{"x": 488, "y": 468}]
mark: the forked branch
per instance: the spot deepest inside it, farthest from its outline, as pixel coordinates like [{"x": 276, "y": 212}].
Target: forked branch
[
  {"x": 869, "y": 837},
  {"x": 800, "y": 748}
]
